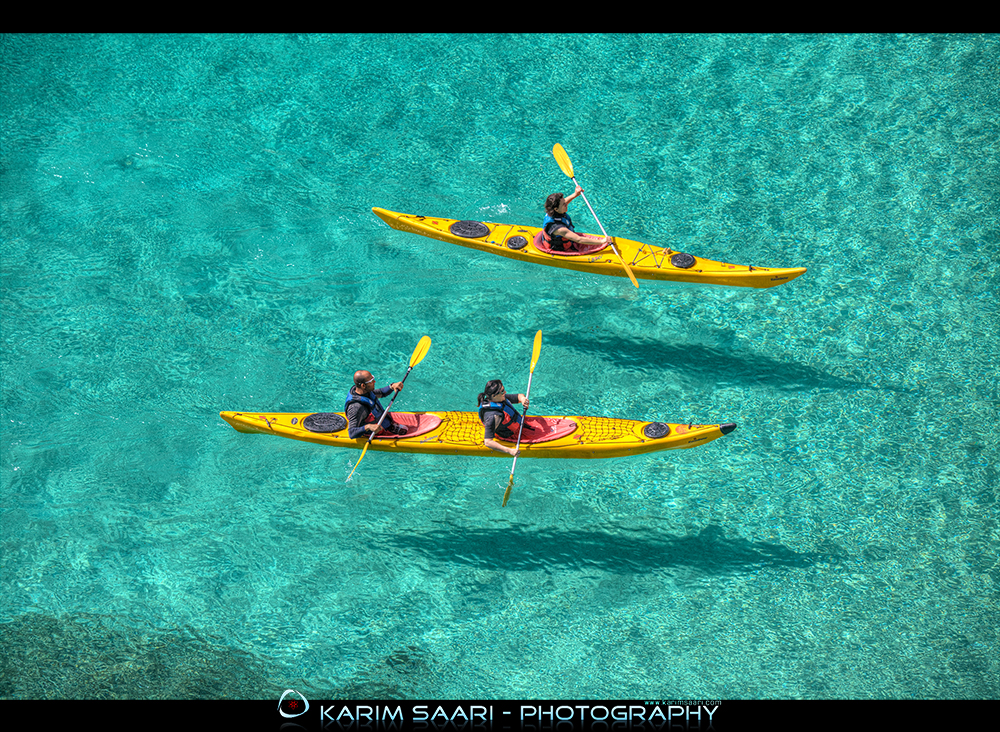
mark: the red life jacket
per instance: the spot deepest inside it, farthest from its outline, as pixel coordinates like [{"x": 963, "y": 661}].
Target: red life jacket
[{"x": 549, "y": 224}]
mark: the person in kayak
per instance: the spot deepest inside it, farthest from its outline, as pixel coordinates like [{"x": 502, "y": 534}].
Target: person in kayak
[
  {"x": 557, "y": 226},
  {"x": 499, "y": 417},
  {"x": 363, "y": 408}
]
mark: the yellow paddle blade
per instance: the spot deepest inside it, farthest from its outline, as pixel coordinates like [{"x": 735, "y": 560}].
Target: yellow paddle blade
[
  {"x": 506, "y": 494},
  {"x": 628, "y": 270},
  {"x": 537, "y": 349},
  {"x": 567, "y": 167},
  {"x": 563, "y": 159},
  {"x": 363, "y": 451},
  {"x": 420, "y": 351}
]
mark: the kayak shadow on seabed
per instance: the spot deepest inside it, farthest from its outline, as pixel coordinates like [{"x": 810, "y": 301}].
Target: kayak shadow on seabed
[
  {"x": 701, "y": 362},
  {"x": 709, "y": 553}
]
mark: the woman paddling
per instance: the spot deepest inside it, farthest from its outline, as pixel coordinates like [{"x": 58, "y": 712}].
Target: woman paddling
[
  {"x": 557, "y": 226},
  {"x": 499, "y": 417}
]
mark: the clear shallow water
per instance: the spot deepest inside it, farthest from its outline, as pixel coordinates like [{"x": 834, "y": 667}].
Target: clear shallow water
[{"x": 186, "y": 228}]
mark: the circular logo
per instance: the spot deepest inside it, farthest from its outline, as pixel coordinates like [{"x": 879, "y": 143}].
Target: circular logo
[{"x": 292, "y": 706}]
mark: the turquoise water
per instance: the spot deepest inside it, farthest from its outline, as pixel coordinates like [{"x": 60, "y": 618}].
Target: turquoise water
[{"x": 187, "y": 228}]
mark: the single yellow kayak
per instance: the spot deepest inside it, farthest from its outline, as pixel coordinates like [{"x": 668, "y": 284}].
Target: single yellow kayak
[
  {"x": 461, "y": 433},
  {"x": 647, "y": 262}
]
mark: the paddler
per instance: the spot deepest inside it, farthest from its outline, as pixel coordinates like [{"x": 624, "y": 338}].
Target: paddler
[
  {"x": 499, "y": 417},
  {"x": 557, "y": 226},
  {"x": 364, "y": 410}
]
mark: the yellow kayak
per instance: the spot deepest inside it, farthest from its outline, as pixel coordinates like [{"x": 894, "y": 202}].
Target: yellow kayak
[
  {"x": 647, "y": 262},
  {"x": 461, "y": 433}
]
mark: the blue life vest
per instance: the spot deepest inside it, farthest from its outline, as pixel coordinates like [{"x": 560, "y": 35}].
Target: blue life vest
[
  {"x": 549, "y": 223},
  {"x": 509, "y": 418},
  {"x": 373, "y": 404}
]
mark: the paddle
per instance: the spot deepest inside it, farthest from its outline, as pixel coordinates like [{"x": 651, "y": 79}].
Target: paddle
[
  {"x": 418, "y": 355},
  {"x": 567, "y": 167},
  {"x": 534, "y": 359}
]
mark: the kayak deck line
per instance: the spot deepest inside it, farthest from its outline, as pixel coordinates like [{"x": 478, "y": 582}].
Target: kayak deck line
[
  {"x": 522, "y": 242},
  {"x": 461, "y": 433}
]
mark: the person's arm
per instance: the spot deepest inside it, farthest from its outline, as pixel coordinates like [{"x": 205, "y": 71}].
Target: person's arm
[
  {"x": 569, "y": 235},
  {"x": 356, "y": 427},
  {"x": 582, "y": 238},
  {"x": 355, "y": 415},
  {"x": 490, "y": 432},
  {"x": 574, "y": 194},
  {"x": 497, "y": 447}
]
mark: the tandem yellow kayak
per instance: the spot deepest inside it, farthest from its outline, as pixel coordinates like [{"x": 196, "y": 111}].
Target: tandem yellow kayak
[
  {"x": 647, "y": 262},
  {"x": 461, "y": 433}
]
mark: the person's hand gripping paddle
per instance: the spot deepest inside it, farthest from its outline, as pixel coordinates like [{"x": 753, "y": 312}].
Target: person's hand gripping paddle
[
  {"x": 524, "y": 413},
  {"x": 567, "y": 167},
  {"x": 418, "y": 355}
]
